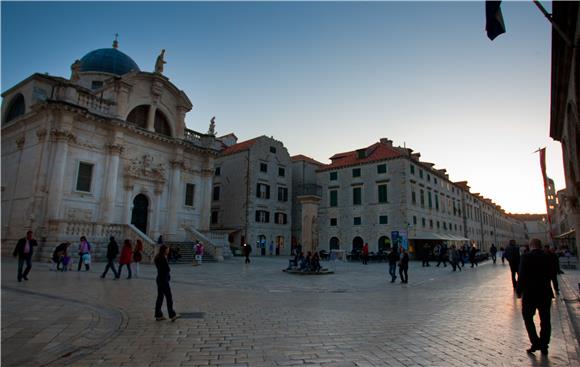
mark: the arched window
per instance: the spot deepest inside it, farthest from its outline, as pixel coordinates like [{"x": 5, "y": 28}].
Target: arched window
[
  {"x": 15, "y": 108},
  {"x": 138, "y": 116},
  {"x": 384, "y": 244},
  {"x": 161, "y": 124},
  {"x": 357, "y": 244},
  {"x": 334, "y": 243}
]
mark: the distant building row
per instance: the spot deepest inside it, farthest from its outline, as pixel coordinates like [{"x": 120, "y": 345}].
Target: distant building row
[{"x": 264, "y": 197}]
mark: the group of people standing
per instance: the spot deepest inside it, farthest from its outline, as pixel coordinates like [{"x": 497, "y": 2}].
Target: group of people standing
[
  {"x": 456, "y": 256},
  {"x": 399, "y": 258}
]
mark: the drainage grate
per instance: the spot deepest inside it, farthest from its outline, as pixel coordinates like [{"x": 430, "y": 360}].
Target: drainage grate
[{"x": 192, "y": 315}]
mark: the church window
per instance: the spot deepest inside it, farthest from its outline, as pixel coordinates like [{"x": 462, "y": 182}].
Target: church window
[
  {"x": 96, "y": 84},
  {"x": 161, "y": 125},
  {"x": 138, "y": 116},
  {"x": 84, "y": 177},
  {"x": 15, "y": 109},
  {"x": 216, "y": 193},
  {"x": 189, "y": 192}
]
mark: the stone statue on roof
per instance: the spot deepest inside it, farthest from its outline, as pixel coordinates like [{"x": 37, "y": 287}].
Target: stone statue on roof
[
  {"x": 211, "y": 130},
  {"x": 74, "y": 70},
  {"x": 160, "y": 62}
]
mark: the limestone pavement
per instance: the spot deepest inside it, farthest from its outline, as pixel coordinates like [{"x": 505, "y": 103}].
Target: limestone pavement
[{"x": 257, "y": 315}]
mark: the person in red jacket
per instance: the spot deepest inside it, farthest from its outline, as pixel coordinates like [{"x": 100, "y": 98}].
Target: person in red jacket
[
  {"x": 126, "y": 254},
  {"x": 365, "y": 254}
]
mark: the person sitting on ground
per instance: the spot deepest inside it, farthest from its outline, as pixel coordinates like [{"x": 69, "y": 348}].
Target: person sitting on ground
[
  {"x": 305, "y": 262},
  {"x": 295, "y": 261},
  {"x": 315, "y": 263}
]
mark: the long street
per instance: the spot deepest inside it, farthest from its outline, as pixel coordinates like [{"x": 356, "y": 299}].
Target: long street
[{"x": 257, "y": 315}]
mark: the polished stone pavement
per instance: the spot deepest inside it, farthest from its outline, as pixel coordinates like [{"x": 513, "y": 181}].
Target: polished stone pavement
[{"x": 257, "y": 315}]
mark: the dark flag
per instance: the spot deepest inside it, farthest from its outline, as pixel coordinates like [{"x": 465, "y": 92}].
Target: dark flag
[{"x": 494, "y": 24}]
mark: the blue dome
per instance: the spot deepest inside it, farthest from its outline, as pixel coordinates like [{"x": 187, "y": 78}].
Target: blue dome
[{"x": 108, "y": 60}]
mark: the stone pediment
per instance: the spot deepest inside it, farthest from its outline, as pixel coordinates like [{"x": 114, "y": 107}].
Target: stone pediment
[{"x": 143, "y": 167}]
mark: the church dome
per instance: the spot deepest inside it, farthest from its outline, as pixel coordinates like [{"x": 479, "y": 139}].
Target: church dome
[{"x": 108, "y": 60}]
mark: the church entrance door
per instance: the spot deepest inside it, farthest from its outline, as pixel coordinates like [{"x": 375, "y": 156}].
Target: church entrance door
[{"x": 140, "y": 212}]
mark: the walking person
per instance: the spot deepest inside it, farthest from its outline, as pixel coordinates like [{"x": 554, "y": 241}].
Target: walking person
[
  {"x": 404, "y": 265},
  {"x": 137, "y": 256},
  {"x": 472, "y": 256},
  {"x": 246, "y": 250},
  {"x": 84, "y": 254},
  {"x": 365, "y": 254},
  {"x": 426, "y": 253},
  {"x": 24, "y": 250},
  {"x": 493, "y": 252},
  {"x": 502, "y": 255},
  {"x": 535, "y": 274},
  {"x": 112, "y": 252},
  {"x": 198, "y": 252},
  {"x": 512, "y": 254},
  {"x": 442, "y": 258},
  {"x": 163, "y": 288},
  {"x": 393, "y": 258},
  {"x": 454, "y": 258},
  {"x": 125, "y": 258}
]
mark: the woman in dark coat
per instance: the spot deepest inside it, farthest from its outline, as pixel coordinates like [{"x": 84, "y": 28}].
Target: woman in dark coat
[{"x": 163, "y": 288}]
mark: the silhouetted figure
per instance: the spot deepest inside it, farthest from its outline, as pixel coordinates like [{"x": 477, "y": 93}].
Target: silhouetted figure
[{"x": 535, "y": 274}]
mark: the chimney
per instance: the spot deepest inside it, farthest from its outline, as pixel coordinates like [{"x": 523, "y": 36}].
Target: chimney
[{"x": 387, "y": 142}]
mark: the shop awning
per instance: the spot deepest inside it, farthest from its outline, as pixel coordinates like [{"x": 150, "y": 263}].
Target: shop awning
[
  {"x": 571, "y": 233},
  {"x": 419, "y": 235}
]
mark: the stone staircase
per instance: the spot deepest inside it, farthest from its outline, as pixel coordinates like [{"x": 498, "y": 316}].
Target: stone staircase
[{"x": 187, "y": 253}]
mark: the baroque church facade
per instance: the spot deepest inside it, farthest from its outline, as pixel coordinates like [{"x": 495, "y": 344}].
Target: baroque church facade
[{"x": 105, "y": 152}]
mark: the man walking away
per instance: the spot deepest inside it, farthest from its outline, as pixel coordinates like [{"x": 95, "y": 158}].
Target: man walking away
[
  {"x": 426, "y": 254},
  {"x": 24, "y": 250},
  {"x": 404, "y": 265},
  {"x": 512, "y": 254},
  {"x": 535, "y": 274},
  {"x": 112, "y": 252},
  {"x": 493, "y": 252}
]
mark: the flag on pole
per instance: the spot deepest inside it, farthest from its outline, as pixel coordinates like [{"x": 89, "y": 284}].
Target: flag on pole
[
  {"x": 546, "y": 184},
  {"x": 494, "y": 24}
]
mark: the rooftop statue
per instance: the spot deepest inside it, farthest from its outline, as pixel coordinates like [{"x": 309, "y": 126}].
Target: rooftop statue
[{"x": 159, "y": 63}]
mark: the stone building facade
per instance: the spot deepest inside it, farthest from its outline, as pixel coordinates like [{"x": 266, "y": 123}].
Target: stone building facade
[
  {"x": 104, "y": 152},
  {"x": 565, "y": 114},
  {"x": 251, "y": 195},
  {"x": 372, "y": 194}
]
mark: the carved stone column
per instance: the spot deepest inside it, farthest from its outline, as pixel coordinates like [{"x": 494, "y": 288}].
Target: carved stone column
[
  {"x": 60, "y": 138},
  {"x": 151, "y": 117},
  {"x": 128, "y": 186},
  {"x": 111, "y": 180},
  {"x": 156, "y": 218},
  {"x": 309, "y": 236},
  {"x": 205, "y": 190},
  {"x": 175, "y": 196}
]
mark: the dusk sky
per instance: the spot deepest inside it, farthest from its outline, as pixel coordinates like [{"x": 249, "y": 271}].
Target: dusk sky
[{"x": 329, "y": 77}]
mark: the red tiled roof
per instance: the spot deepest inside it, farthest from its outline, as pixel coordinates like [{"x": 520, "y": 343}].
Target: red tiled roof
[
  {"x": 301, "y": 157},
  {"x": 376, "y": 152},
  {"x": 239, "y": 147}
]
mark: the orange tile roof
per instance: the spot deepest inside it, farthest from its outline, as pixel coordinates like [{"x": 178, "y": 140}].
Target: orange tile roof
[
  {"x": 301, "y": 157},
  {"x": 239, "y": 147},
  {"x": 376, "y": 152}
]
